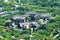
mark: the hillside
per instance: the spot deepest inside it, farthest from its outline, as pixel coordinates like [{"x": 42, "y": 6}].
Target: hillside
[{"x": 29, "y": 19}]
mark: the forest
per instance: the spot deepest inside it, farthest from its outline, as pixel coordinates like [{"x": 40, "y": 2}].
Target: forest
[{"x": 29, "y": 19}]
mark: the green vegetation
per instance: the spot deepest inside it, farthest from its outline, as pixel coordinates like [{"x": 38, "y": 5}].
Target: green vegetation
[{"x": 48, "y": 31}]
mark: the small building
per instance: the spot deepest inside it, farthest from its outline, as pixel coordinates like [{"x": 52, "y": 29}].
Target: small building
[
  {"x": 33, "y": 15},
  {"x": 22, "y": 17},
  {"x": 35, "y": 23},
  {"x": 26, "y": 24}
]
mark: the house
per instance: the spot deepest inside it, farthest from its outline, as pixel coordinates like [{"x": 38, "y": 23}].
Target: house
[
  {"x": 33, "y": 15},
  {"x": 34, "y": 26},
  {"x": 18, "y": 20},
  {"x": 23, "y": 17},
  {"x": 20, "y": 17},
  {"x": 26, "y": 24},
  {"x": 35, "y": 23}
]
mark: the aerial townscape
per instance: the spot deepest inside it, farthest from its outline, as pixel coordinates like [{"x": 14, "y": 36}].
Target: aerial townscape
[{"x": 29, "y": 19}]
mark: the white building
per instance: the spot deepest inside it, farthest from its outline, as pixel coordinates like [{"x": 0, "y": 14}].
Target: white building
[{"x": 27, "y": 24}]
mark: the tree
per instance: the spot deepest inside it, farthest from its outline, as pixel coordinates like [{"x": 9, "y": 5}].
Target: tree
[
  {"x": 2, "y": 20},
  {"x": 57, "y": 18},
  {"x": 52, "y": 26},
  {"x": 42, "y": 35}
]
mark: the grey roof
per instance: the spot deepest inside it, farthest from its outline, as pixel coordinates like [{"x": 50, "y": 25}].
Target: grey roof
[
  {"x": 23, "y": 16},
  {"x": 35, "y": 23},
  {"x": 19, "y": 16},
  {"x": 28, "y": 23}
]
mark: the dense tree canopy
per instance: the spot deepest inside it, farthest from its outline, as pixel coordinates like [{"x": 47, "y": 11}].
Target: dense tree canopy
[{"x": 19, "y": 7}]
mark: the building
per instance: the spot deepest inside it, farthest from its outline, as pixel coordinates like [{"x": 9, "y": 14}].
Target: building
[{"x": 32, "y": 15}]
